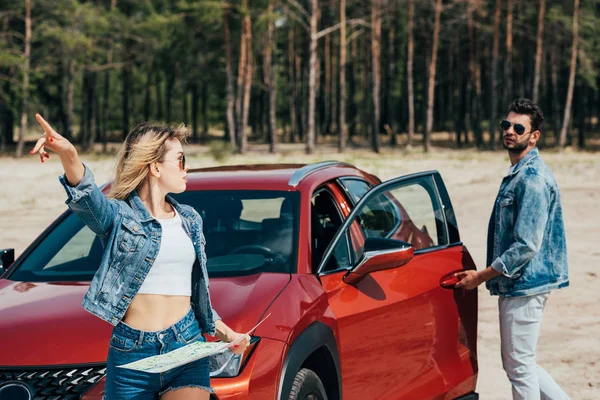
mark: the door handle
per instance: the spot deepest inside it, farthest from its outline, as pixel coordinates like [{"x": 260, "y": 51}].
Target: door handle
[{"x": 449, "y": 281}]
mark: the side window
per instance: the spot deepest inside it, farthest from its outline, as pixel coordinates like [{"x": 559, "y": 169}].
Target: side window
[
  {"x": 411, "y": 213},
  {"x": 356, "y": 188},
  {"x": 77, "y": 248},
  {"x": 394, "y": 214},
  {"x": 325, "y": 223},
  {"x": 71, "y": 252}
]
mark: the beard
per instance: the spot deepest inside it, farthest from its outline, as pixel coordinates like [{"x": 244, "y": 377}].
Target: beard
[{"x": 515, "y": 147}]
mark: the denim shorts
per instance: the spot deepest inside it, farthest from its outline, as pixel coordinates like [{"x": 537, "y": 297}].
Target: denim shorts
[{"x": 128, "y": 344}]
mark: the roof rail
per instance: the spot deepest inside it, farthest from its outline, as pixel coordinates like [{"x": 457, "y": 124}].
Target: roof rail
[{"x": 308, "y": 169}]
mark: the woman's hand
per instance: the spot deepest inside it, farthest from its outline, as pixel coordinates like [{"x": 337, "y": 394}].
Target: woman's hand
[
  {"x": 51, "y": 140},
  {"x": 74, "y": 169},
  {"x": 240, "y": 347},
  {"x": 228, "y": 335}
]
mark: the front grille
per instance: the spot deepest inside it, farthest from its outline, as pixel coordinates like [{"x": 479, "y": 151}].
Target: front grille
[{"x": 64, "y": 383}]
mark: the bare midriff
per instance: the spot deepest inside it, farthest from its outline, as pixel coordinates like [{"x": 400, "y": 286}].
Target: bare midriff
[{"x": 156, "y": 312}]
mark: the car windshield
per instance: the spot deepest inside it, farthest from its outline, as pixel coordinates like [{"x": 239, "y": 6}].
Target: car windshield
[{"x": 246, "y": 232}]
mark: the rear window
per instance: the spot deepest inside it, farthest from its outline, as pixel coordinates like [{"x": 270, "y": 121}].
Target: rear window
[{"x": 246, "y": 232}]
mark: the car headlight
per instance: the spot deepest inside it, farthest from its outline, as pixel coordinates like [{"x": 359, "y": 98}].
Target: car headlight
[{"x": 227, "y": 364}]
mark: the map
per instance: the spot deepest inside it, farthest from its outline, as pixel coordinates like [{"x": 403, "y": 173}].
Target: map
[{"x": 191, "y": 352}]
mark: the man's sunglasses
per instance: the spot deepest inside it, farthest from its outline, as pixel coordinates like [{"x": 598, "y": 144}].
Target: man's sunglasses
[{"x": 505, "y": 125}]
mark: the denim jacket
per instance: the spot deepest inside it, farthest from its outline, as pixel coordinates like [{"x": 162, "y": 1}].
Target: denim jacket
[
  {"x": 131, "y": 238},
  {"x": 526, "y": 235}
]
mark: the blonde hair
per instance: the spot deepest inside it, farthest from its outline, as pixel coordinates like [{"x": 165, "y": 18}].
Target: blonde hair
[{"x": 144, "y": 145}]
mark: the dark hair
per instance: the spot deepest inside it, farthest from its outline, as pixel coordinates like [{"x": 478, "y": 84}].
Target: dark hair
[{"x": 527, "y": 107}]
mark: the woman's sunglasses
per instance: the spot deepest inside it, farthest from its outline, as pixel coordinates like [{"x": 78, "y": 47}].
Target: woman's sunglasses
[
  {"x": 505, "y": 125},
  {"x": 180, "y": 161}
]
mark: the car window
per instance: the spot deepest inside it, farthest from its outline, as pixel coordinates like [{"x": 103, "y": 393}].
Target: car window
[
  {"x": 356, "y": 188},
  {"x": 326, "y": 220},
  {"x": 405, "y": 212},
  {"x": 410, "y": 213},
  {"x": 70, "y": 252},
  {"x": 246, "y": 232}
]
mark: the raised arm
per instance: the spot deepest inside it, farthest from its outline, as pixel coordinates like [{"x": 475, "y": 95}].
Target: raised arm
[{"x": 84, "y": 197}]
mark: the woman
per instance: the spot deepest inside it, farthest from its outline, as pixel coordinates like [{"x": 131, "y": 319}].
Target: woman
[{"x": 152, "y": 284}]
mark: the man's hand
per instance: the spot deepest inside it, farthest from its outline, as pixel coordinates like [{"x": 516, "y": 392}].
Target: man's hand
[{"x": 468, "y": 279}]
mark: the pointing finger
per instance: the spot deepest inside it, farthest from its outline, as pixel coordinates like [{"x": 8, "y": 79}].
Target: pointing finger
[{"x": 47, "y": 128}]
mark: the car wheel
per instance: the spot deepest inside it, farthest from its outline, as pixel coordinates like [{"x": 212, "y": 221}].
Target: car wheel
[{"x": 307, "y": 386}]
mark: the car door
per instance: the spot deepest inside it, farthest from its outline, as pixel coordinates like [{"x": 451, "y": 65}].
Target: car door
[{"x": 401, "y": 334}]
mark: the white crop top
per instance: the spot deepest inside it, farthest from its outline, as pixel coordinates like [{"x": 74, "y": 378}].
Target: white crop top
[{"x": 171, "y": 273}]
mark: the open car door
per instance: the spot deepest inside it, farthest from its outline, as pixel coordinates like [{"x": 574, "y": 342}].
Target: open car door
[{"x": 404, "y": 332}]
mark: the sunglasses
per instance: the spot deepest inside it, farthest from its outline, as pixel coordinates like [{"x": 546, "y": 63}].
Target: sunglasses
[
  {"x": 180, "y": 161},
  {"x": 505, "y": 125}
]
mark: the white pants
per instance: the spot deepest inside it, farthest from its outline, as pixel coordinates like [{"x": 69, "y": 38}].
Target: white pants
[{"x": 520, "y": 320}]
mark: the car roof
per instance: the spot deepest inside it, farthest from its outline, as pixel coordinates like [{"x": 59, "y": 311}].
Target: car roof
[{"x": 287, "y": 177}]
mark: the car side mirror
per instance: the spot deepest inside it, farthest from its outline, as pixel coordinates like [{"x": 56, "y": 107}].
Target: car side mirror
[
  {"x": 7, "y": 257},
  {"x": 379, "y": 260}
]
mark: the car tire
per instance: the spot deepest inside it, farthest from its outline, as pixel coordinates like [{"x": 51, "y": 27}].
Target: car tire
[{"x": 307, "y": 386}]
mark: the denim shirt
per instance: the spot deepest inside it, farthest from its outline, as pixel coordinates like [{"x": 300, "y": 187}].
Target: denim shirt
[
  {"x": 131, "y": 239},
  {"x": 526, "y": 235}
]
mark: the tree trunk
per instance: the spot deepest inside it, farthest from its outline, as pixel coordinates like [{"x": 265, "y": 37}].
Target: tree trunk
[
  {"x": 494, "y": 72},
  {"x": 159, "y": 110},
  {"x": 61, "y": 98},
  {"x": 312, "y": 77},
  {"x": 353, "y": 72},
  {"x": 204, "y": 108},
  {"x": 27, "y": 55},
  {"x": 244, "y": 78},
  {"x": 292, "y": 85},
  {"x": 8, "y": 119},
  {"x": 93, "y": 113},
  {"x": 566, "y": 119},
  {"x": 169, "y": 92},
  {"x": 391, "y": 66},
  {"x": 508, "y": 84},
  {"x": 247, "y": 84},
  {"x": 366, "y": 111},
  {"x": 376, "y": 72},
  {"x": 195, "y": 100},
  {"x": 432, "y": 71},
  {"x": 301, "y": 94},
  {"x": 84, "y": 116},
  {"x": 409, "y": 69},
  {"x": 539, "y": 50},
  {"x": 229, "y": 72},
  {"x": 326, "y": 88},
  {"x": 70, "y": 100},
  {"x": 125, "y": 94},
  {"x": 343, "y": 48},
  {"x": 475, "y": 72},
  {"x": 186, "y": 105},
  {"x": 555, "y": 100},
  {"x": 270, "y": 78},
  {"x": 581, "y": 108},
  {"x": 147, "y": 95},
  {"x": 105, "y": 116}
]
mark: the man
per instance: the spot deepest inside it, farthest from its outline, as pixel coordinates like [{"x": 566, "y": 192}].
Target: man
[{"x": 526, "y": 252}]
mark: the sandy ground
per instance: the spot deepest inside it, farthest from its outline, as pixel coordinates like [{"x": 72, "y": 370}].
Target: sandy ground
[{"x": 569, "y": 347}]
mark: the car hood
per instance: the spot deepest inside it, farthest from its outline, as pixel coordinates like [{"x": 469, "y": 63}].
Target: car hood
[{"x": 44, "y": 323}]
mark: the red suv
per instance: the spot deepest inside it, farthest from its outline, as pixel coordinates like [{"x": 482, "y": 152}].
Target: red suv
[{"x": 355, "y": 274}]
